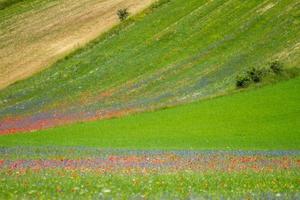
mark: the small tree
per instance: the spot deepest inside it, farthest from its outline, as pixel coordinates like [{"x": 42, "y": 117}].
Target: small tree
[
  {"x": 242, "y": 81},
  {"x": 255, "y": 74},
  {"x": 276, "y": 67},
  {"x": 123, "y": 14}
]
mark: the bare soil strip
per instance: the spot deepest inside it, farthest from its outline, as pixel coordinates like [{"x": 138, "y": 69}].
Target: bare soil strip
[{"x": 31, "y": 41}]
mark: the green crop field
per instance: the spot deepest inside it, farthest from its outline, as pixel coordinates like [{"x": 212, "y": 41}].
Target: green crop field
[
  {"x": 265, "y": 118},
  {"x": 152, "y": 108}
]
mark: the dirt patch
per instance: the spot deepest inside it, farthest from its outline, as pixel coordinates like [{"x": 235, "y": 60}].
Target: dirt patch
[{"x": 32, "y": 40}]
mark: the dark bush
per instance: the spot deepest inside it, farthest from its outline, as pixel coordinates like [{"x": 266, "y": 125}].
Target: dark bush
[
  {"x": 255, "y": 74},
  {"x": 242, "y": 81},
  {"x": 123, "y": 14},
  {"x": 276, "y": 67}
]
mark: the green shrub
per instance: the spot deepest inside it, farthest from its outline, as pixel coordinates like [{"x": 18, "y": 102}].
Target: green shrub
[
  {"x": 242, "y": 81},
  {"x": 255, "y": 74},
  {"x": 251, "y": 75},
  {"x": 123, "y": 14},
  {"x": 276, "y": 67}
]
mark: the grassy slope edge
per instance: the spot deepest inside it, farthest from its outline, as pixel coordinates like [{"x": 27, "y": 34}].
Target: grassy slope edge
[{"x": 265, "y": 118}]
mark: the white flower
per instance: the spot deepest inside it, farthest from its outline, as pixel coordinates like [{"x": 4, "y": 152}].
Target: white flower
[{"x": 106, "y": 190}]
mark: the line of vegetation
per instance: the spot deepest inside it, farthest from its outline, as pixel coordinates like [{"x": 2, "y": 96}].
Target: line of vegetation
[{"x": 254, "y": 75}]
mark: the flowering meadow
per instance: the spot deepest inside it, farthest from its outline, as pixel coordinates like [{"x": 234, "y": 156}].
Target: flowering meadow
[
  {"x": 150, "y": 109},
  {"x": 93, "y": 173}
]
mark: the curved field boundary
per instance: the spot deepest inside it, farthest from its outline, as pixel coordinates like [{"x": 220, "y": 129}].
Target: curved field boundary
[
  {"x": 265, "y": 118},
  {"x": 34, "y": 34}
]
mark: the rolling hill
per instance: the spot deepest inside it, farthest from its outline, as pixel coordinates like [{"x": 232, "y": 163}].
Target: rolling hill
[
  {"x": 194, "y": 99},
  {"x": 260, "y": 119},
  {"x": 174, "y": 52}
]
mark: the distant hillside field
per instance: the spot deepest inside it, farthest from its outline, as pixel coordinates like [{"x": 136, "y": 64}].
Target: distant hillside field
[
  {"x": 263, "y": 119},
  {"x": 35, "y": 33},
  {"x": 175, "y": 52}
]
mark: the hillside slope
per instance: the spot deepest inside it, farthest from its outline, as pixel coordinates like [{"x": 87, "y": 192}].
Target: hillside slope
[
  {"x": 175, "y": 52},
  {"x": 266, "y": 118},
  {"x": 35, "y": 33}
]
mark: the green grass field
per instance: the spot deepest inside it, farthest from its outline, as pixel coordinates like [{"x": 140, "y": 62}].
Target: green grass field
[{"x": 262, "y": 118}]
